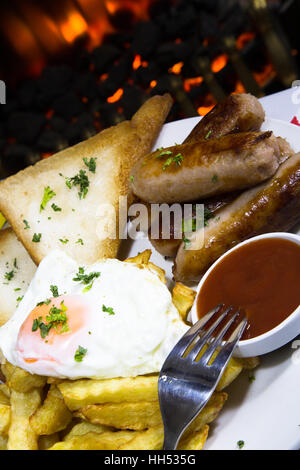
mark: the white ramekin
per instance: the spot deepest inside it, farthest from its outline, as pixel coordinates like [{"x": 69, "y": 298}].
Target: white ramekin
[{"x": 278, "y": 336}]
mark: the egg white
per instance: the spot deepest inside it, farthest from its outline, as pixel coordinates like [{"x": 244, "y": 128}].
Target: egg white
[{"x": 135, "y": 340}]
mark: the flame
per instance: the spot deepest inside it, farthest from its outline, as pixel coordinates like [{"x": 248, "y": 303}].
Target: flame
[
  {"x": 176, "y": 68},
  {"x": 189, "y": 83},
  {"x": 97, "y": 31},
  {"x": 239, "y": 88},
  {"x": 219, "y": 63},
  {"x": 24, "y": 43},
  {"x": 208, "y": 105},
  {"x": 73, "y": 27},
  {"x": 139, "y": 8},
  {"x": 137, "y": 62},
  {"x": 153, "y": 83},
  {"x": 103, "y": 77},
  {"x": 202, "y": 110},
  {"x": 265, "y": 75},
  {"x": 43, "y": 26},
  {"x": 243, "y": 39},
  {"x": 116, "y": 96}
]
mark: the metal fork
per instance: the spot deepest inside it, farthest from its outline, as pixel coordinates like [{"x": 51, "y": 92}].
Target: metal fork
[{"x": 185, "y": 384}]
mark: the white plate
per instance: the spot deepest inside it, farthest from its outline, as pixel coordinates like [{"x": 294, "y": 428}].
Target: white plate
[{"x": 265, "y": 413}]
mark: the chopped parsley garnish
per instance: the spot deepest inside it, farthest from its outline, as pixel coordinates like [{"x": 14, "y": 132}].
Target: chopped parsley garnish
[
  {"x": 131, "y": 178},
  {"x": 43, "y": 302},
  {"x": 26, "y": 224},
  {"x": 48, "y": 194},
  {"x": 91, "y": 164},
  {"x": 8, "y": 276},
  {"x": 214, "y": 178},
  {"x": 251, "y": 378},
  {"x": 186, "y": 242},
  {"x": 178, "y": 159},
  {"x": 15, "y": 263},
  {"x": 39, "y": 324},
  {"x": 56, "y": 318},
  {"x": 80, "y": 353},
  {"x": 164, "y": 153},
  {"x": 109, "y": 310},
  {"x": 85, "y": 278},
  {"x": 17, "y": 289},
  {"x": 190, "y": 225},
  {"x": 37, "y": 237},
  {"x": 54, "y": 290},
  {"x": 64, "y": 241},
  {"x": 208, "y": 135},
  {"x": 240, "y": 444},
  {"x": 80, "y": 241},
  {"x": 20, "y": 298},
  {"x": 81, "y": 180},
  {"x": 87, "y": 288},
  {"x": 55, "y": 208},
  {"x": 208, "y": 214}
]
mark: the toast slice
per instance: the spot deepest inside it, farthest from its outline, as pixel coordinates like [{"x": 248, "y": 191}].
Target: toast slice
[
  {"x": 16, "y": 272},
  {"x": 66, "y": 201}
]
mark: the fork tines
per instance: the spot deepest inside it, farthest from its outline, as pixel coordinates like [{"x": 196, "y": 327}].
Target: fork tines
[{"x": 192, "y": 343}]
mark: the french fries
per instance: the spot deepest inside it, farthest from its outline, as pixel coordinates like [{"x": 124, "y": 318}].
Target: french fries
[
  {"x": 140, "y": 258},
  {"x": 20, "y": 380},
  {"x": 96, "y": 441},
  {"x": 53, "y": 416},
  {"x": 21, "y": 436},
  {"x": 183, "y": 298},
  {"x": 136, "y": 416},
  {"x": 194, "y": 441},
  {"x": 81, "y": 393},
  {"x": 5, "y": 414},
  {"x": 85, "y": 427},
  {"x": 3, "y": 443},
  {"x": 151, "y": 439},
  {"x": 45, "y": 442},
  {"x": 143, "y": 415},
  {"x": 111, "y": 414}
]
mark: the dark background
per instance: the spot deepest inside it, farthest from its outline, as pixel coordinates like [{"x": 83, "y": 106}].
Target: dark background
[{"x": 74, "y": 67}]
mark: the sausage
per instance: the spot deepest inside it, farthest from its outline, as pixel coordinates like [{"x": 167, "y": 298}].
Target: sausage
[
  {"x": 169, "y": 247},
  {"x": 236, "y": 113},
  {"x": 271, "y": 206},
  {"x": 206, "y": 168}
]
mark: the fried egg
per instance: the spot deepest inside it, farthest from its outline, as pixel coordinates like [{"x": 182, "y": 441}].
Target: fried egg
[{"x": 110, "y": 319}]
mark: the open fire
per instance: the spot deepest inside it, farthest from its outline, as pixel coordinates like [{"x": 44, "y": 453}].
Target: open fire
[{"x": 83, "y": 65}]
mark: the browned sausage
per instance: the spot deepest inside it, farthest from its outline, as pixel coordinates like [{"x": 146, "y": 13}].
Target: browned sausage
[
  {"x": 271, "y": 206},
  {"x": 236, "y": 113},
  {"x": 169, "y": 247},
  {"x": 206, "y": 168}
]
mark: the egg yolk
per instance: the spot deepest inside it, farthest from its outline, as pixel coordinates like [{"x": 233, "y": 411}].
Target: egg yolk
[{"x": 51, "y": 329}]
